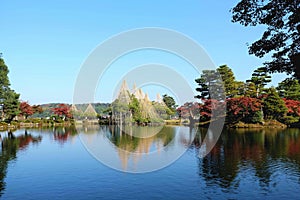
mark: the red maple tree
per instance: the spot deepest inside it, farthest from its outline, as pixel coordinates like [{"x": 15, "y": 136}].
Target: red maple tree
[
  {"x": 293, "y": 107},
  {"x": 188, "y": 109},
  {"x": 243, "y": 105},
  {"x": 209, "y": 108},
  {"x": 63, "y": 110},
  {"x": 26, "y": 109},
  {"x": 212, "y": 108},
  {"x": 244, "y": 109}
]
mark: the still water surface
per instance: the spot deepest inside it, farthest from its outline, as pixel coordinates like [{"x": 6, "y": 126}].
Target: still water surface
[{"x": 245, "y": 164}]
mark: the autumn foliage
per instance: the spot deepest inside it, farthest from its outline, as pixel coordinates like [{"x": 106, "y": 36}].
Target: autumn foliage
[
  {"x": 63, "y": 110},
  {"x": 243, "y": 105},
  {"x": 293, "y": 107},
  {"x": 245, "y": 109},
  {"x": 26, "y": 109},
  {"x": 204, "y": 111},
  {"x": 188, "y": 109},
  {"x": 212, "y": 108}
]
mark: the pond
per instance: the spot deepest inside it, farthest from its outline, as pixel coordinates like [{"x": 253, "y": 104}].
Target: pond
[{"x": 149, "y": 163}]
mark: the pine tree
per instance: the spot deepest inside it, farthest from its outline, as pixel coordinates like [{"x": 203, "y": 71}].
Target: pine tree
[
  {"x": 170, "y": 103},
  {"x": 210, "y": 85},
  {"x": 9, "y": 99},
  {"x": 11, "y": 105},
  {"x": 273, "y": 106},
  {"x": 289, "y": 89},
  {"x": 250, "y": 90},
  {"x": 240, "y": 87},
  {"x": 230, "y": 84},
  {"x": 260, "y": 78},
  {"x": 4, "y": 81}
]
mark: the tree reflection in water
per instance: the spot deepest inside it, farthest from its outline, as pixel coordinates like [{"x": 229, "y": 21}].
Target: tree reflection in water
[
  {"x": 240, "y": 151},
  {"x": 62, "y": 134},
  {"x": 145, "y": 140},
  {"x": 149, "y": 140},
  {"x": 10, "y": 145}
]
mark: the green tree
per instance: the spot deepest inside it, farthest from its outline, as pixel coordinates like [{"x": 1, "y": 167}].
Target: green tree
[
  {"x": 134, "y": 107},
  {"x": 240, "y": 87},
  {"x": 289, "y": 89},
  {"x": 11, "y": 105},
  {"x": 161, "y": 109},
  {"x": 8, "y": 97},
  {"x": 260, "y": 78},
  {"x": 273, "y": 106},
  {"x": 230, "y": 84},
  {"x": 282, "y": 35},
  {"x": 120, "y": 111},
  {"x": 4, "y": 81},
  {"x": 210, "y": 85},
  {"x": 250, "y": 90},
  {"x": 170, "y": 103}
]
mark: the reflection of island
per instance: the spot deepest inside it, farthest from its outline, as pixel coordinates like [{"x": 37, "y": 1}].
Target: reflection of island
[
  {"x": 62, "y": 134},
  {"x": 259, "y": 151},
  {"x": 88, "y": 129},
  {"x": 10, "y": 145},
  {"x": 146, "y": 142}
]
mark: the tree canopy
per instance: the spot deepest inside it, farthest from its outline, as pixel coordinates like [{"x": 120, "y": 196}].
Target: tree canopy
[
  {"x": 8, "y": 97},
  {"x": 289, "y": 89},
  {"x": 26, "y": 109},
  {"x": 4, "y": 81},
  {"x": 230, "y": 84},
  {"x": 273, "y": 106},
  {"x": 170, "y": 103},
  {"x": 260, "y": 78},
  {"x": 210, "y": 85},
  {"x": 281, "y": 38},
  {"x": 11, "y": 105},
  {"x": 63, "y": 111}
]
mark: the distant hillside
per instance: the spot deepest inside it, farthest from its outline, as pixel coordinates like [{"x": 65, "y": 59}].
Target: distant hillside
[{"x": 100, "y": 108}]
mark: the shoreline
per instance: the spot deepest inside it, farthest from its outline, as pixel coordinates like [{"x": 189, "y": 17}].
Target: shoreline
[
  {"x": 272, "y": 124},
  {"x": 19, "y": 125}
]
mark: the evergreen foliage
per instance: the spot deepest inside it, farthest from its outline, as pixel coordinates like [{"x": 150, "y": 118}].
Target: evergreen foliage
[
  {"x": 8, "y": 97},
  {"x": 273, "y": 106},
  {"x": 289, "y": 89}
]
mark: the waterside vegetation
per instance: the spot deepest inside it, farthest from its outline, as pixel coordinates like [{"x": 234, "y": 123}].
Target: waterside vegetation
[{"x": 248, "y": 104}]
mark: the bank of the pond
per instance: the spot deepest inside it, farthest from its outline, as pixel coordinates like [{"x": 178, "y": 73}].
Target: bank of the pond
[
  {"x": 52, "y": 123},
  {"x": 33, "y": 124},
  {"x": 266, "y": 124},
  {"x": 173, "y": 122},
  {"x": 206, "y": 124}
]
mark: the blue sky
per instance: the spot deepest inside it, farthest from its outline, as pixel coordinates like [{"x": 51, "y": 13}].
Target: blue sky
[{"x": 44, "y": 43}]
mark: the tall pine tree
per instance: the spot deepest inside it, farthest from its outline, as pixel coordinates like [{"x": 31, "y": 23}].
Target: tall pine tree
[
  {"x": 230, "y": 84},
  {"x": 260, "y": 78},
  {"x": 4, "y": 81},
  {"x": 9, "y": 99},
  {"x": 210, "y": 85}
]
